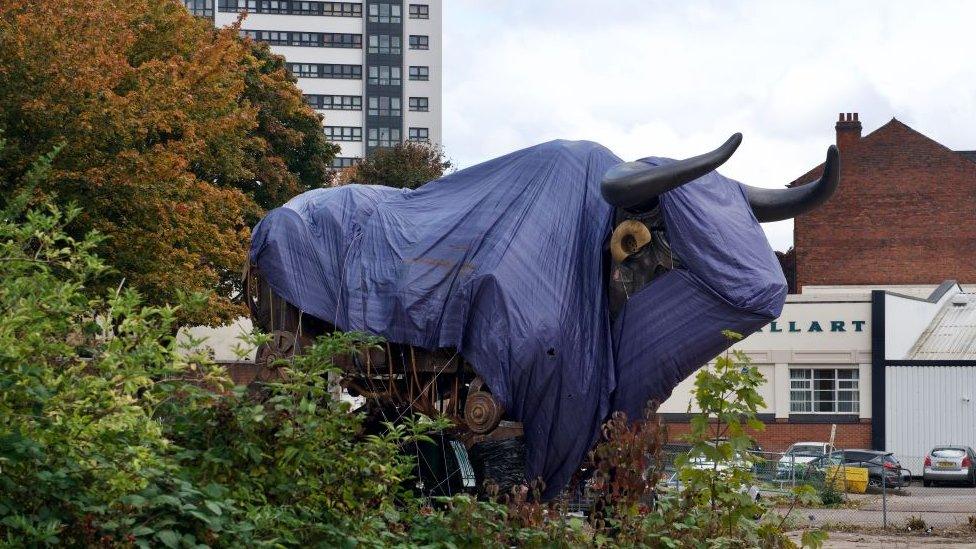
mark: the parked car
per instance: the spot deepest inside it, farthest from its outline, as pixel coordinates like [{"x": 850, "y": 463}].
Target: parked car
[
  {"x": 750, "y": 458},
  {"x": 950, "y": 464},
  {"x": 878, "y": 463},
  {"x": 673, "y": 482},
  {"x": 816, "y": 470},
  {"x": 798, "y": 455}
]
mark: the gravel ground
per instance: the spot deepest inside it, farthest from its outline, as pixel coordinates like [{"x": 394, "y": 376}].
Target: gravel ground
[
  {"x": 846, "y": 540},
  {"x": 939, "y": 507}
]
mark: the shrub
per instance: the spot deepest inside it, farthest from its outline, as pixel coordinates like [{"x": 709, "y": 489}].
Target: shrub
[
  {"x": 914, "y": 523},
  {"x": 711, "y": 496},
  {"x": 829, "y": 494}
]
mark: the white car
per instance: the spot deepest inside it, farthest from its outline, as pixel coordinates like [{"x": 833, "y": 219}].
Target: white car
[
  {"x": 674, "y": 482},
  {"x": 800, "y": 454},
  {"x": 950, "y": 464}
]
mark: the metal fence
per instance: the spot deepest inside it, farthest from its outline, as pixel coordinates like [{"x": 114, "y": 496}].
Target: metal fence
[
  {"x": 851, "y": 495},
  {"x": 895, "y": 497}
]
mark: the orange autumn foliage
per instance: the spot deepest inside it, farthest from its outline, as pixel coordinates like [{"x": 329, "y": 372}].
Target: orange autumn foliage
[{"x": 175, "y": 136}]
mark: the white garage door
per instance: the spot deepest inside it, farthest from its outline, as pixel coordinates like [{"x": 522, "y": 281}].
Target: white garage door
[{"x": 926, "y": 406}]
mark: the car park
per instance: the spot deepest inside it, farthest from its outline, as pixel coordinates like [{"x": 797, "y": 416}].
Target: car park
[{"x": 950, "y": 464}]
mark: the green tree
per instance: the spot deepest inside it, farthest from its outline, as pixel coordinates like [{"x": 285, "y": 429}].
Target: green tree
[
  {"x": 406, "y": 165},
  {"x": 290, "y": 153},
  {"x": 175, "y": 137},
  {"x": 112, "y": 434}
]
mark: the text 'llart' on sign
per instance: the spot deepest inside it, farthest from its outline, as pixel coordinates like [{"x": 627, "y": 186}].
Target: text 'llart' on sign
[{"x": 797, "y": 327}]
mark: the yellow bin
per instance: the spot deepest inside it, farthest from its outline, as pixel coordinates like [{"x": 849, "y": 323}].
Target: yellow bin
[{"x": 849, "y": 479}]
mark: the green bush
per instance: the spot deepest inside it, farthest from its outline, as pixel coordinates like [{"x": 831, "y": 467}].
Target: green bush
[
  {"x": 113, "y": 434},
  {"x": 829, "y": 494}
]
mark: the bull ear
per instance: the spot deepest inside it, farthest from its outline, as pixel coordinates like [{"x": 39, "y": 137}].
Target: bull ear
[
  {"x": 779, "y": 204},
  {"x": 635, "y": 186}
]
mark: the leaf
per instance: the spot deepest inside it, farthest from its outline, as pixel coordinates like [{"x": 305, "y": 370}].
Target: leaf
[
  {"x": 214, "y": 507},
  {"x": 134, "y": 500},
  {"x": 168, "y": 538}
]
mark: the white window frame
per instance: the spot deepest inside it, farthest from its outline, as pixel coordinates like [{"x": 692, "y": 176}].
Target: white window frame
[{"x": 825, "y": 390}]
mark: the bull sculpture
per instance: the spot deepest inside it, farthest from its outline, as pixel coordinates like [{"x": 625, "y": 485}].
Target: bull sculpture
[{"x": 527, "y": 297}]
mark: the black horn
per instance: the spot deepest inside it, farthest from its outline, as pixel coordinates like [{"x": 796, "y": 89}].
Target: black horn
[
  {"x": 635, "y": 186},
  {"x": 779, "y": 204}
]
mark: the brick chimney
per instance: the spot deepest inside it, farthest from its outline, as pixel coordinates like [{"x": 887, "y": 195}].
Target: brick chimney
[{"x": 848, "y": 130}]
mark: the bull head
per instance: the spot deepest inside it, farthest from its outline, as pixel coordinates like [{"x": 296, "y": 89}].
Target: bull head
[{"x": 639, "y": 246}]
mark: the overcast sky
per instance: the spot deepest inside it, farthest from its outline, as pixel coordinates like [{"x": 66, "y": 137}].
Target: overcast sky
[{"x": 676, "y": 78}]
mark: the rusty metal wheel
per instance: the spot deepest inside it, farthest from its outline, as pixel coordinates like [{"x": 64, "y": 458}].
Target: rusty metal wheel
[
  {"x": 482, "y": 412},
  {"x": 281, "y": 346}
]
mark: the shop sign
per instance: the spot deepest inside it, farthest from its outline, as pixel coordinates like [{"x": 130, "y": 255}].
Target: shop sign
[{"x": 813, "y": 326}]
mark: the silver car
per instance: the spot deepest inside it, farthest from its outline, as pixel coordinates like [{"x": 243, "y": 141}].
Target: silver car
[{"x": 950, "y": 464}]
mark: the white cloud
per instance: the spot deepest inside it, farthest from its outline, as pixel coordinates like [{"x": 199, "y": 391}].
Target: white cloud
[{"x": 676, "y": 78}]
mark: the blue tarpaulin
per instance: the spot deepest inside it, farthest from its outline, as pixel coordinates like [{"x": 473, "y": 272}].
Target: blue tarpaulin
[{"x": 506, "y": 262}]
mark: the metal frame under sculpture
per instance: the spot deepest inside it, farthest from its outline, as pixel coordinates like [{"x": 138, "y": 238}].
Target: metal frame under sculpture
[{"x": 665, "y": 230}]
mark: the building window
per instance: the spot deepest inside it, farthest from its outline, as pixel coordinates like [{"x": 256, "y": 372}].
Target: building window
[
  {"x": 340, "y": 40},
  {"x": 418, "y": 134},
  {"x": 326, "y": 70},
  {"x": 421, "y": 104},
  {"x": 340, "y": 162},
  {"x": 419, "y": 42},
  {"x": 306, "y": 39},
  {"x": 384, "y": 106},
  {"x": 384, "y": 13},
  {"x": 335, "y": 102},
  {"x": 200, "y": 8},
  {"x": 824, "y": 390},
  {"x": 419, "y": 11},
  {"x": 384, "y": 43},
  {"x": 383, "y": 137},
  {"x": 339, "y": 9},
  {"x": 293, "y": 7},
  {"x": 344, "y": 133},
  {"x": 382, "y": 75},
  {"x": 420, "y": 73}
]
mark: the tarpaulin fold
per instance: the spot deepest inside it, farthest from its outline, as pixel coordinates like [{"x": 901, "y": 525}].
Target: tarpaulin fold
[{"x": 506, "y": 263}]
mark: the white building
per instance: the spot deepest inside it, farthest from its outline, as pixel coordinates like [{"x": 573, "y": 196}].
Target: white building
[
  {"x": 371, "y": 68},
  {"x": 893, "y": 368}
]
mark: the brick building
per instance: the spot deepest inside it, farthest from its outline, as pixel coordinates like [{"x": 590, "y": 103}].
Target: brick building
[{"x": 903, "y": 213}]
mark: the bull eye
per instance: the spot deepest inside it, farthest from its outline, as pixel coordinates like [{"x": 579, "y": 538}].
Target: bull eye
[
  {"x": 551, "y": 352},
  {"x": 630, "y": 243}
]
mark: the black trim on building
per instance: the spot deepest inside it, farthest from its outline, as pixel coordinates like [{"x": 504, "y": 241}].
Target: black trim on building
[
  {"x": 877, "y": 369},
  {"x": 390, "y": 59},
  {"x": 294, "y": 7},
  {"x": 824, "y": 418},
  {"x": 934, "y": 297},
  {"x": 931, "y": 363},
  {"x": 343, "y": 40},
  {"x": 677, "y": 417}
]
